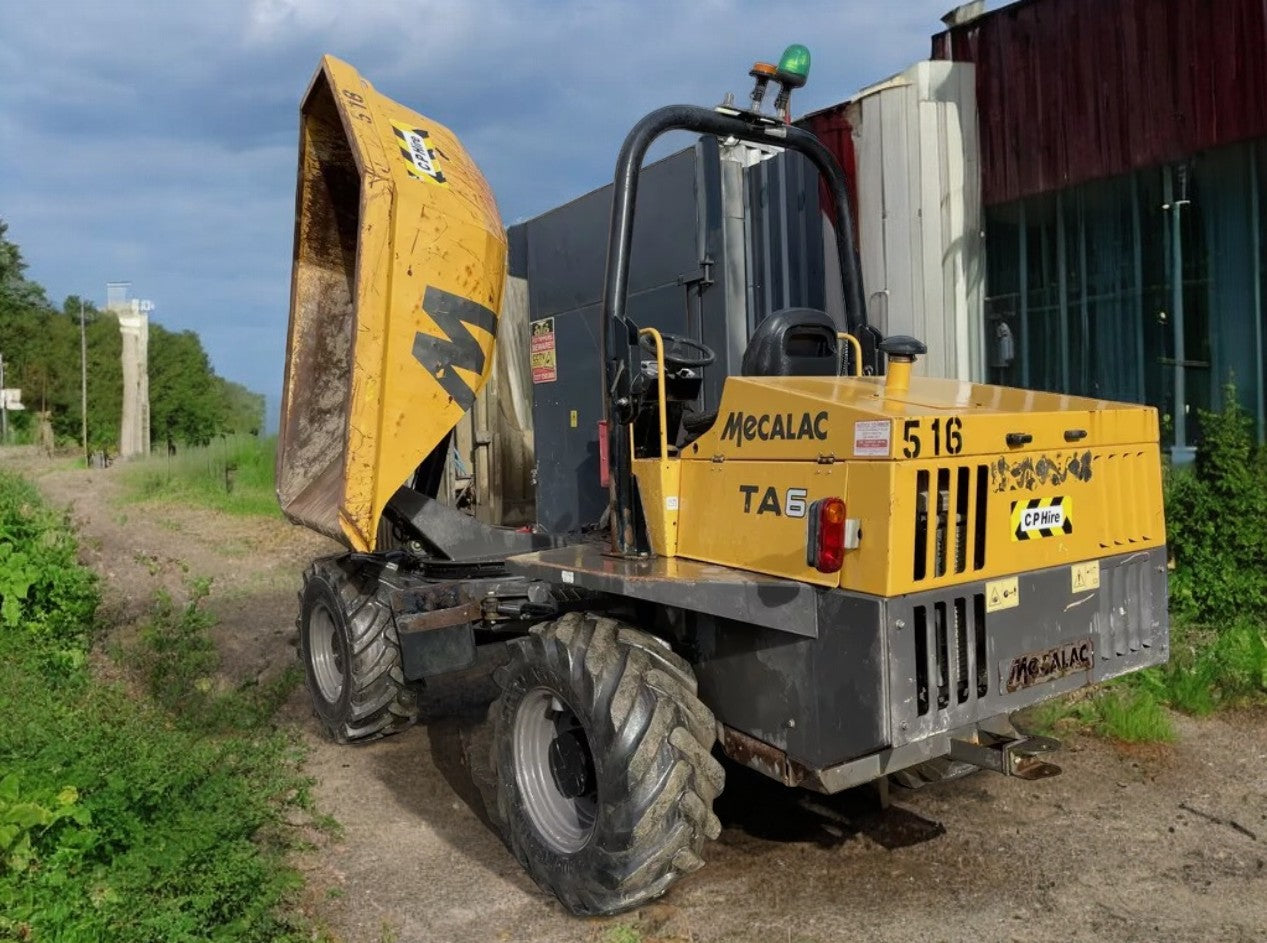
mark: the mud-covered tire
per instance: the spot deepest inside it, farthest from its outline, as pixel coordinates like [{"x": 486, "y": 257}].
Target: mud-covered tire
[
  {"x": 649, "y": 738},
  {"x": 930, "y": 772},
  {"x": 351, "y": 653}
]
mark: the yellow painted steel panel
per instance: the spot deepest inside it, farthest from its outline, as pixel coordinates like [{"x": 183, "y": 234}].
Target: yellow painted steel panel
[
  {"x": 659, "y": 487},
  {"x": 753, "y": 515},
  {"x": 400, "y": 260},
  {"x": 932, "y": 418},
  {"x": 938, "y": 495}
]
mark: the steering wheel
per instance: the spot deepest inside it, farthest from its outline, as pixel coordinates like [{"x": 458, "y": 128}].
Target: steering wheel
[{"x": 679, "y": 351}]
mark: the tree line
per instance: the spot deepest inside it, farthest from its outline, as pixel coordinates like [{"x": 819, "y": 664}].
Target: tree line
[{"x": 189, "y": 402}]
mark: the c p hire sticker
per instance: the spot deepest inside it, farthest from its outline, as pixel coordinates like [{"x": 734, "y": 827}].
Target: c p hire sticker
[
  {"x": 419, "y": 154},
  {"x": 1041, "y": 517}
]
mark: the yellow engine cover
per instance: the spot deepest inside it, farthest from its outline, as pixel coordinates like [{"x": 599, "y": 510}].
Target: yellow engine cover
[
  {"x": 399, "y": 265},
  {"x": 945, "y": 482}
]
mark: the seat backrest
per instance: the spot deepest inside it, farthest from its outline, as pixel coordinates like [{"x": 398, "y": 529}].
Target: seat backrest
[{"x": 794, "y": 342}]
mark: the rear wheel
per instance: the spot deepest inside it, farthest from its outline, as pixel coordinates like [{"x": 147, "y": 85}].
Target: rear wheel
[
  {"x": 351, "y": 652},
  {"x": 605, "y": 779}
]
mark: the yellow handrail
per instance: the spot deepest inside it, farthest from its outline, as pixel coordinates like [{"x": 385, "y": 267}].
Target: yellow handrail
[
  {"x": 857, "y": 352},
  {"x": 660, "y": 393}
]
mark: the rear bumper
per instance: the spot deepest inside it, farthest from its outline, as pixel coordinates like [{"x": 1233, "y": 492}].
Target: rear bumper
[
  {"x": 952, "y": 661},
  {"x": 887, "y": 683}
]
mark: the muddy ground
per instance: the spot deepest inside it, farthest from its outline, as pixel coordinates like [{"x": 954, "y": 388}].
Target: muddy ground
[{"x": 1158, "y": 843}]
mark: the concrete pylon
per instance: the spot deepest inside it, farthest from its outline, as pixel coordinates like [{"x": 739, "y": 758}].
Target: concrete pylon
[{"x": 134, "y": 427}]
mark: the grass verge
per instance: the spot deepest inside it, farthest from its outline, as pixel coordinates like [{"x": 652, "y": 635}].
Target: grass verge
[
  {"x": 1209, "y": 669},
  {"x": 126, "y": 817},
  {"x": 1216, "y": 519},
  {"x": 234, "y": 474}
]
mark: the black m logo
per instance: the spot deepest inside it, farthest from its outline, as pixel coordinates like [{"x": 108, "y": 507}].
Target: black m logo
[{"x": 458, "y": 348}]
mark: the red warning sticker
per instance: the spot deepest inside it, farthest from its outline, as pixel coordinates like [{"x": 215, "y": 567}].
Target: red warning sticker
[
  {"x": 872, "y": 437},
  {"x": 544, "y": 362}
]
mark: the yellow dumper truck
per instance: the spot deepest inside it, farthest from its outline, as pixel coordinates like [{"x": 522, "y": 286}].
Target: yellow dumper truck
[{"x": 798, "y": 552}]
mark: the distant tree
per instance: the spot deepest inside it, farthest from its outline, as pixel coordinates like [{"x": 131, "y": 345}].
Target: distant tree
[
  {"x": 15, "y": 289},
  {"x": 243, "y": 410},
  {"x": 189, "y": 403},
  {"x": 185, "y": 401}
]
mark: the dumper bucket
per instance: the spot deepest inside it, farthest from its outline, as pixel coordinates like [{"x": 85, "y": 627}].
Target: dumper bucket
[{"x": 399, "y": 263}]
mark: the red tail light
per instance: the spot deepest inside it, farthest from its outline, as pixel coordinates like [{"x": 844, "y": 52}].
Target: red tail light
[{"x": 826, "y": 549}]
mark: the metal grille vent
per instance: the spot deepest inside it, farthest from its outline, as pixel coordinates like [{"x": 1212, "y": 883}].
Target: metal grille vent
[
  {"x": 950, "y": 521},
  {"x": 1130, "y": 479},
  {"x": 950, "y": 656},
  {"x": 1124, "y": 622}
]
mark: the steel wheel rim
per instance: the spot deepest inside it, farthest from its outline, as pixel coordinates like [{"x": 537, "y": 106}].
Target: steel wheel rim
[
  {"x": 325, "y": 653},
  {"x": 564, "y": 823}
]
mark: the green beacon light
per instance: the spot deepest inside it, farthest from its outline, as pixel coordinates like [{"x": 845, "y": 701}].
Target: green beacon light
[
  {"x": 793, "y": 69},
  {"x": 792, "y": 72}
]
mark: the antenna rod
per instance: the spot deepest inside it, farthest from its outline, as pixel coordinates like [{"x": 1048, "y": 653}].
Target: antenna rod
[{"x": 4, "y": 407}]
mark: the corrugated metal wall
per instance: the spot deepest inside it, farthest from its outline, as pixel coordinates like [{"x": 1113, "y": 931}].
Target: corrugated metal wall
[
  {"x": 919, "y": 212},
  {"x": 1074, "y": 90},
  {"x": 909, "y": 146}
]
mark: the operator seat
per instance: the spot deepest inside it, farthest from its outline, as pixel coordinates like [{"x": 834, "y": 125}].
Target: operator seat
[{"x": 794, "y": 342}]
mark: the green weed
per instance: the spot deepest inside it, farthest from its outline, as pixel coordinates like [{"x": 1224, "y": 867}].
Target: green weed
[
  {"x": 44, "y": 594},
  {"x": 120, "y": 819},
  {"x": 620, "y": 933},
  {"x": 178, "y": 661},
  {"x": 1129, "y": 714},
  {"x": 1216, "y": 521},
  {"x": 234, "y": 474},
  {"x": 1118, "y": 711},
  {"x": 1209, "y": 669},
  {"x": 1212, "y": 668}
]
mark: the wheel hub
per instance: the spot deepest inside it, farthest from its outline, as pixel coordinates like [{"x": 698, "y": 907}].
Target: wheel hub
[
  {"x": 325, "y": 653},
  {"x": 570, "y": 764},
  {"x": 554, "y": 770}
]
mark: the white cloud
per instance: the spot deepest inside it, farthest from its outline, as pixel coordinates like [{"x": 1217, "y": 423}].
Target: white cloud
[{"x": 154, "y": 141}]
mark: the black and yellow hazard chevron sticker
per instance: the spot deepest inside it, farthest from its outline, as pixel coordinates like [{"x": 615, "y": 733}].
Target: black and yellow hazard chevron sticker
[
  {"x": 1041, "y": 517},
  {"x": 421, "y": 161}
]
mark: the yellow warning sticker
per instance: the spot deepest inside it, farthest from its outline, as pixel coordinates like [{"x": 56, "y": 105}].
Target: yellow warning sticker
[
  {"x": 1002, "y": 594},
  {"x": 421, "y": 160},
  {"x": 1041, "y": 517},
  {"x": 1085, "y": 576},
  {"x": 545, "y": 364}
]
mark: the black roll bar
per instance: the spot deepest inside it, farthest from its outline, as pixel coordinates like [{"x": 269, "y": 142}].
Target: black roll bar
[{"x": 619, "y": 336}]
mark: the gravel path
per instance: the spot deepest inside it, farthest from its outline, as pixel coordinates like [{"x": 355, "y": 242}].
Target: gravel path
[{"x": 1159, "y": 843}]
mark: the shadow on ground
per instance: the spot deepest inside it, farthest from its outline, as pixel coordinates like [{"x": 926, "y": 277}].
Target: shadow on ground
[{"x": 752, "y": 807}]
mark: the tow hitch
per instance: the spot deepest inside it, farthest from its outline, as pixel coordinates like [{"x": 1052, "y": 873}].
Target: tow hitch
[{"x": 1011, "y": 756}]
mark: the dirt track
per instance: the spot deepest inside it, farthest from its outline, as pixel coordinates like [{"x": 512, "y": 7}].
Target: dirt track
[{"x": 1129, "y": 844}]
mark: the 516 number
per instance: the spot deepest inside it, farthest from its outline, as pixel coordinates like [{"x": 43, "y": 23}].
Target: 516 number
[{"x": 947, "y": 437}]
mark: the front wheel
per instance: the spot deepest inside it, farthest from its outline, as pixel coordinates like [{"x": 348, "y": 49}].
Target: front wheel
[
  {"x": 605, "y": 779},
  {"x": 351, "y": 652}
]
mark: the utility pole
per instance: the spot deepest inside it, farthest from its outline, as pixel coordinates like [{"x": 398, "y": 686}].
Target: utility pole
[
  {"x": 4, "y": 407},
  {"x": 83, "y": 384}
]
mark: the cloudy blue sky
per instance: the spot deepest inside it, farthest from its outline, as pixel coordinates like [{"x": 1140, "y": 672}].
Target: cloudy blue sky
[{"x": 153, "y": 141}]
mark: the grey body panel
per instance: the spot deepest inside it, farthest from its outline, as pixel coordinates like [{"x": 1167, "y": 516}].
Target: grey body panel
[
  {"x": 1125, "y": 619},
  {"x": 458, "y": 536},
  {"x": 749, "y": 599},
  {"x": 831, "y": 679},
  {"x": 820, "y": 700},
  {"x": 563, "y": 255}
]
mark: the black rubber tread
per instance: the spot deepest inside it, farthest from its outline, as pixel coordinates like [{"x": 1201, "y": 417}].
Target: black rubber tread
[
  {"x": 376, "y": 701},
  {"x": 941, "y": 770},
  {"x": 651, "y": 738}
]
